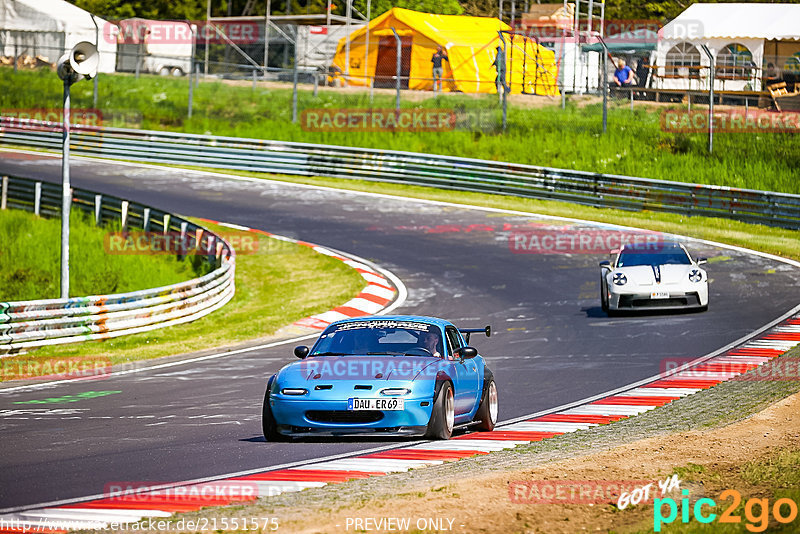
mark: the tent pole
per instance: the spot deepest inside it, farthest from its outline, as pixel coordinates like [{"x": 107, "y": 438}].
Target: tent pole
[
  {"x": 524, "y": 61},
  {"x": 511, "y": 61}
]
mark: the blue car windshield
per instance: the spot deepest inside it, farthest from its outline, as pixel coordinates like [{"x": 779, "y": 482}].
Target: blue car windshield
[
  {"x": 632, "y": 259},
  {"x": 361, "y": 338}
]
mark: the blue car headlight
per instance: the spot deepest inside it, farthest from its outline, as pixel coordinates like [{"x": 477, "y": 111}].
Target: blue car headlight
[
  {"x": 695, "y": 275},
  {"x": 619, "y": 279},
  {"x": 294, "y": 391},
  {"x": 394, "y": 392}
]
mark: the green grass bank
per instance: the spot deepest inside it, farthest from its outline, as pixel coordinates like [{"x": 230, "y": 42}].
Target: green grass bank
[
  {"x": 30, "y": 257},
  {"x": 541, "y": 133}
]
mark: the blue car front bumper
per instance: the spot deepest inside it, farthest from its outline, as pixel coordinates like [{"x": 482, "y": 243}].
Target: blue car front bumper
[{"x": 298, "y": 416}]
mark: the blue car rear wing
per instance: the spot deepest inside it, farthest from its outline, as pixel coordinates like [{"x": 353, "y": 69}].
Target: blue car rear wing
[{"x": 468, "y": 331}]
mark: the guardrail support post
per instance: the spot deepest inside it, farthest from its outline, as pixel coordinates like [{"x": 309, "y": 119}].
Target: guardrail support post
[
  {"x": 124, "y": 216},
  {"x": 146, "y": 220},
  {"x": 98, "y": 209},
  {"x": 211, "y": 250},
  {"x": 37, "y": 198},
  {"x": 166, "y": 223},
  {"x": 182, "y": 248},
  {"x": 4, "y": 194}
]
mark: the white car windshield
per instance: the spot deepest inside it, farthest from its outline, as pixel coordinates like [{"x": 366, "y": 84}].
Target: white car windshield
[{"x": 673, "y": 257}]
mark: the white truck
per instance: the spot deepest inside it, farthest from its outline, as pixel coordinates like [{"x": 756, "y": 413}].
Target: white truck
[{"x": 156, "y": 46}]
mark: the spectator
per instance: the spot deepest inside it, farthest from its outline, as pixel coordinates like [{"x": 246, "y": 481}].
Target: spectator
[
  {"x": 499, "y": 64},
  {"x": 623, "y": 76},
  {"x": 438, "y": 70}
]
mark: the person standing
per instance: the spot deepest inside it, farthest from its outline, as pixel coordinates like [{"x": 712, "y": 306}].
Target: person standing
[
  {"x": 438, "y": 70},
  {"x": 499, "y": 64}
]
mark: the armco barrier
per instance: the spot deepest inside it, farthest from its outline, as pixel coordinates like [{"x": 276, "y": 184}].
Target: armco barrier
[
  {"x": 36, "y": 323},
  {"x": 463, "y": 174}
]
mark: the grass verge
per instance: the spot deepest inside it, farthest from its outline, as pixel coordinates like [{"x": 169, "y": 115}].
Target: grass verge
[
  {"x": 635, "y": 143},
  {"x": 272, "y": 290},
  {"x": 30, "y": 260}
]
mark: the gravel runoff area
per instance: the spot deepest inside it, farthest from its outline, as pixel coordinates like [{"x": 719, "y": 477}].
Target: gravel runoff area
[{"x": 704, "y": 416}]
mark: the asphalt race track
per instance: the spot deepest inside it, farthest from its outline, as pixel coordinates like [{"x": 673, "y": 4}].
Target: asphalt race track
[{"x": 553, "y": 345}]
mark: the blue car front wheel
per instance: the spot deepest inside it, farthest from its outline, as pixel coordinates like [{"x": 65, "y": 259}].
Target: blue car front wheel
[
  {"x": 442, "y": 419},
  {"x": 268, "y": 424}
]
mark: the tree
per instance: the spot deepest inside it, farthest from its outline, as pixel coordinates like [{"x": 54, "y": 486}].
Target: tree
[{"x": 148, "y": 9}]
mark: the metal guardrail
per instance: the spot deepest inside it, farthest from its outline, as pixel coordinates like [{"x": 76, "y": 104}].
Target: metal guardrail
[
  {"x": 26, "y": 325},
  {"x": 448, "y": 172}
]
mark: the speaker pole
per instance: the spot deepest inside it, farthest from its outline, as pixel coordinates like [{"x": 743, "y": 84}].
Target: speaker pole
[
  {"x": 80, "y": 62},
  {"x": 66, "y": 195}
]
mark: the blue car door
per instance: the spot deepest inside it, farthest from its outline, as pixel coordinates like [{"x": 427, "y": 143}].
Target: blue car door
[{"x": 467, "y": 381}]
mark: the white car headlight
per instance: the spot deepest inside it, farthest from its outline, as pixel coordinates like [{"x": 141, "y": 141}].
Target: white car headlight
[
  {"x": 695, "y": 275},
  {"x": 619, "y": 279}
]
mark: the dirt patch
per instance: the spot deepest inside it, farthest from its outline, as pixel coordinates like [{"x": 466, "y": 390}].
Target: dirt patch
[{"x": 482, "y": 503}]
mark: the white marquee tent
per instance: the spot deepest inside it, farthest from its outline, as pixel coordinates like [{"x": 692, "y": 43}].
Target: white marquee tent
[
  {"x": 48, "y": 28},
  {"x": 743, "y": 38}
]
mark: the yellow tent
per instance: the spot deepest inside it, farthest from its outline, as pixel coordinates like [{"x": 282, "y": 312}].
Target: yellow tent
[{"x": 471, "y": 45}]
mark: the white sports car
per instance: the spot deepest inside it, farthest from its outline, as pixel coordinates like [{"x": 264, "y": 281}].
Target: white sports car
[{"x": 652, "y": 276}]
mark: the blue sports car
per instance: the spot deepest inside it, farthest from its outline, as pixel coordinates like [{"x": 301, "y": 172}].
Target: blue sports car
[{"x": 383, "y": 375}]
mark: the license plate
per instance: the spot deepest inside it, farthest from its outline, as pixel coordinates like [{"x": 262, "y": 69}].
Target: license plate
[
  {"x": 659, "y": 295},
  {"x": 375, "y": 404}
]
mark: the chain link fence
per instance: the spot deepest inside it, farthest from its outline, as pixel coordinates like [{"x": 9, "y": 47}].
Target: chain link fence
[{"x": 389, "y": 78}]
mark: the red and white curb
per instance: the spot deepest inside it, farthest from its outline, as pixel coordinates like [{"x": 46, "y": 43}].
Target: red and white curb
[
  {"x": 378, "y": 294},
  {"x": 648, "y": 395}
]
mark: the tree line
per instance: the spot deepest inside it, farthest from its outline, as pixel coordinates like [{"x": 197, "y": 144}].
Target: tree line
[{"x": 662, "y": 10}]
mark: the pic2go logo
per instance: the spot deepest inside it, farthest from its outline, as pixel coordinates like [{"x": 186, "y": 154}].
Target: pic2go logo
[{"x": 756, "y": 511}]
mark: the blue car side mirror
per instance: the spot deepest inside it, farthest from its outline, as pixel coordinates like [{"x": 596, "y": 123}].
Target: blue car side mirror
[
  {"x": 465, "y": 353},
  {"x": 301, "y": 351}
]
